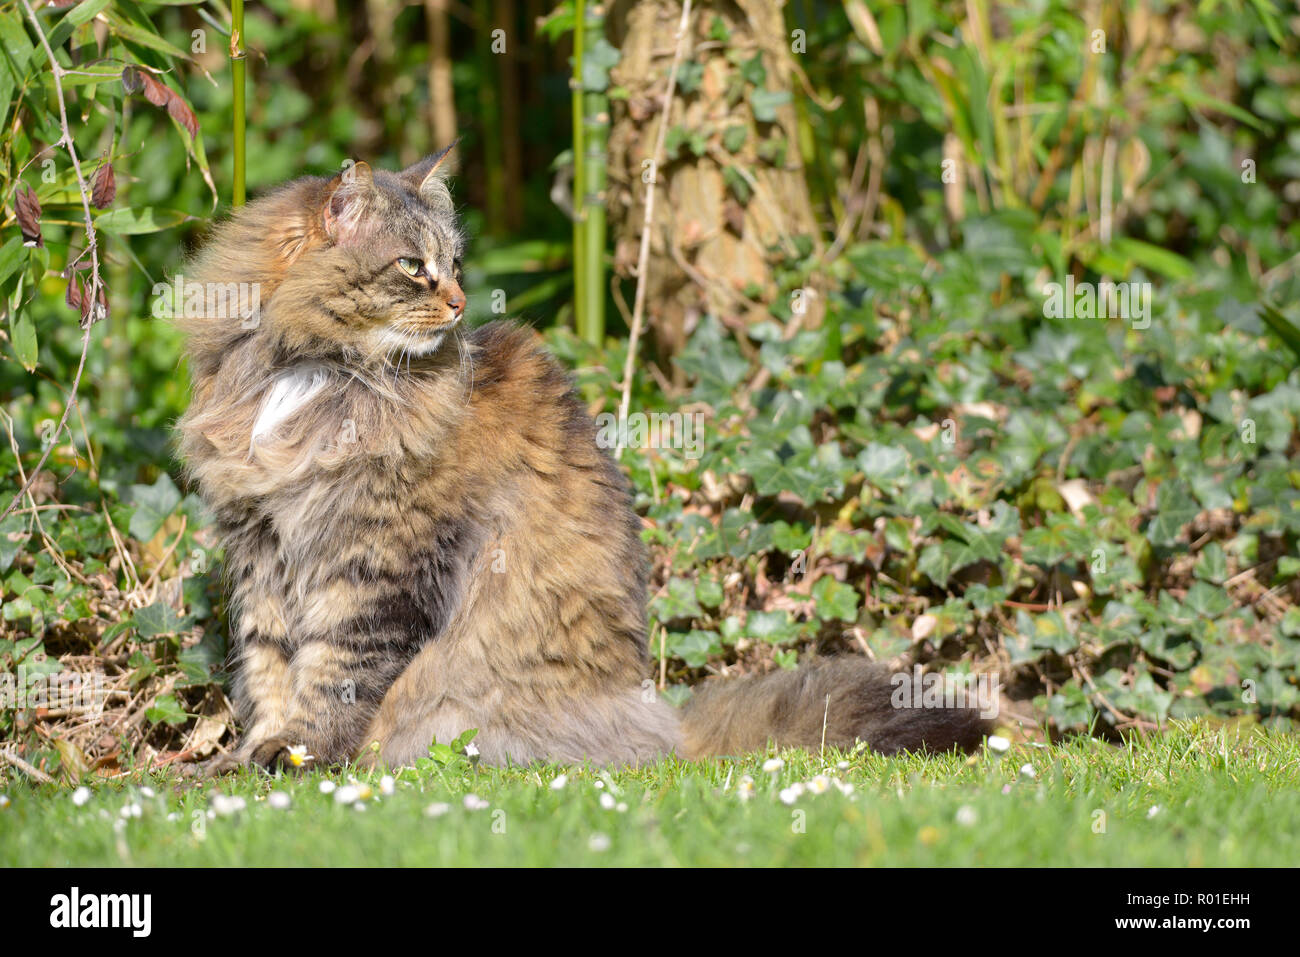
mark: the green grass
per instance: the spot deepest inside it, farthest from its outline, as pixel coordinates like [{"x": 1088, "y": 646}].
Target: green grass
[{"x": 1222, "y": 798}]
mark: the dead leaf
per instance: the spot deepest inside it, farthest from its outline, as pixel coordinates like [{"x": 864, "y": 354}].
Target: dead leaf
[
  {"x": 105, "y": 188},
  {"x": 1076, "y": 495},
  {"x": 160, "y": 94},
  {"x": 28, "y": 210}
]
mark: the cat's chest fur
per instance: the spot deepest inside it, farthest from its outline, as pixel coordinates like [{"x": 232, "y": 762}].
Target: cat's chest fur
[{"x": 366, "y": 522}]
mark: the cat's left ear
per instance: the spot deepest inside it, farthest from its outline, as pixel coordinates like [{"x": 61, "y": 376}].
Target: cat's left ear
[
  {"x": 428, "y": 178},
  {"x": 349, "y": 199}
]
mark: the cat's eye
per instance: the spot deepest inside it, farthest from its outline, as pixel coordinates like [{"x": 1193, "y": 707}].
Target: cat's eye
[{"x": 412, "y": 267}]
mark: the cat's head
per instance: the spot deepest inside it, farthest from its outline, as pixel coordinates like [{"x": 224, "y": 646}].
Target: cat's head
[{"x": 364, "y": 267}]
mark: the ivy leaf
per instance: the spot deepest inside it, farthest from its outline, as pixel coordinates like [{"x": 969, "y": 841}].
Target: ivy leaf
[
  {"x": 885, "y": 466},
  {"x": 154, "y": 503},
  {"x": 938, "y": 562},
  {"x": 1175, "y": 508},
  {"x": 835, "y": 600},
  {"x": 1212, "y": 564},
  {"x": 774, "y": 627},
  {"x": 597, "y": 60},
  {"x": 1054, "y": 543},
  {"x": 157, "y": 619},
  {"x": 694, "y": 647},
  {"x": 765, "y": 102},
  {"x": 1206, "y": 600},
  {"x": 678, "y": 602},
  {"x": 1052, "y": 633},
  {"x": 166, "y": 710},
  {"x": 708, "y": 591},
  {"x": 13, "y": 536}
]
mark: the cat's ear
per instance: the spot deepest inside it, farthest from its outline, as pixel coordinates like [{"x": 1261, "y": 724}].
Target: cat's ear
[
  {"x": 428, "y": 178},
  {"x": 350, "y": 196}
]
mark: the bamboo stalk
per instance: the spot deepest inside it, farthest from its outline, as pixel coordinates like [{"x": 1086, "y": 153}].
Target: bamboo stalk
[
  {"x": 237, "y": 66},
  {"x": 579, "y": 178},
  {"x": 595, "y": 123}
]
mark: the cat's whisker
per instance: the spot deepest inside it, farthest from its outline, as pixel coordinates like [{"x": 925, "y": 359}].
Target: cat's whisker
[{"x": 466, "y": 364}]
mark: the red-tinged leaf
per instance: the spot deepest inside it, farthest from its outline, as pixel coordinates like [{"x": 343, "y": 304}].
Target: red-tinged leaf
[
  {"x": 75, "y": 296},
  {"x": 155, "y": 90},
  {"x": 159, "y": 94},
  {"x": 60, "y": 4},
  {"x": 180, "y": 112},
  {"x": 28, "y": 210},
  {"x": 105, "y": 188}
]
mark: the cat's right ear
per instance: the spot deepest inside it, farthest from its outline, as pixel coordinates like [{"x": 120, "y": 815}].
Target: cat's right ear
[
  {"x": 350, "y": 195},
  {"x": 428, "y": 178}
]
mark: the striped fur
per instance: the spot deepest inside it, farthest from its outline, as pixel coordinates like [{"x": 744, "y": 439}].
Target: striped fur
[{"x": 421, "y": 533}]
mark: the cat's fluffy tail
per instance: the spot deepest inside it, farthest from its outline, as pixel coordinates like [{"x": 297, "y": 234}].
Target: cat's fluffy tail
[{"x": 835, "y": 700}]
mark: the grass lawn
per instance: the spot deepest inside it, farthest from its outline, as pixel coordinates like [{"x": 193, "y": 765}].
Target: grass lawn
[{"x": 1192, "y": 797}]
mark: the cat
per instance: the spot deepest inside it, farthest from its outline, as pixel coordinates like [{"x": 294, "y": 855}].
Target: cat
[{"x": 421, "y": 533}]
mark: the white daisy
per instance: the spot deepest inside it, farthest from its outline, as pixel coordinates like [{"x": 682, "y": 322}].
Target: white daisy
[{"x": 348, "y": 794}]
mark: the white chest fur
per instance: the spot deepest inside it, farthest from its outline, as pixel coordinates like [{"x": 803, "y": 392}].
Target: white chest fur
[{"x": 290, "y": 391}]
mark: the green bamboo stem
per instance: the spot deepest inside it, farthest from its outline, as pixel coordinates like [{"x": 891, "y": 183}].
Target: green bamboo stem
[
  {"x": 579, "y": 179},
  {"x": 595, "y": 135},
  {"x": 237, "y": 66}
]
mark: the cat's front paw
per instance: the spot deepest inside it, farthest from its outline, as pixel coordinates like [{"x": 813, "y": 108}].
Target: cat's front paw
[
  {"x": 278, "y": 753},
  {"x": 217, "y": 766}
]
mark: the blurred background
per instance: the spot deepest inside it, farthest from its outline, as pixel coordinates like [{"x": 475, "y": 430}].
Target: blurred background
[{"x": 859, "y": 208}]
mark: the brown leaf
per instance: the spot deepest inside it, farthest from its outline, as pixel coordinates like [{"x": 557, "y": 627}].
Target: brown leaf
[
  {"x": 105, "y": 188},
  {"x": 159, "y": 94},
  {"x": 180, "y": 112},
  {"x": 155, "y": 91},
  {"x": 28, "y": 209},
  {"x": 76, "y": 296}
]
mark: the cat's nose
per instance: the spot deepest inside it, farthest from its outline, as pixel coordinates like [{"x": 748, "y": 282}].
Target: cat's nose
[{"x": 456, "y": 302}]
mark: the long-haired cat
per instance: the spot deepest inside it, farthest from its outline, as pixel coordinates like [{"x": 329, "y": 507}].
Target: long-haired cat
[{"x": 421, "y": 534}]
